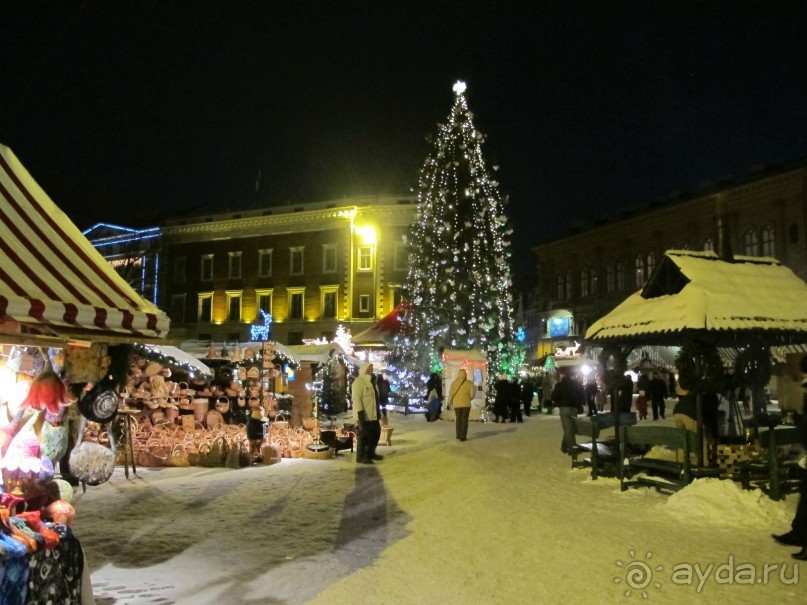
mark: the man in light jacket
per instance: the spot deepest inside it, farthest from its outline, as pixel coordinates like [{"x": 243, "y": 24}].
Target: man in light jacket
[{"x": 365, "y": 413}]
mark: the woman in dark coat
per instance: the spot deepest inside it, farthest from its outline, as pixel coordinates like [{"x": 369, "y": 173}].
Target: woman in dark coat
[{"x": 501, "y": 403}]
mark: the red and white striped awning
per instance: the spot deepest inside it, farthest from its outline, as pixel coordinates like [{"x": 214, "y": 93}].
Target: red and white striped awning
[{"x": 51, "y": 277}]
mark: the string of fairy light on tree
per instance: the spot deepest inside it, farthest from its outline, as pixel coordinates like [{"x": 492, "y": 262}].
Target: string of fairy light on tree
[{"x": 459, "y": 280}]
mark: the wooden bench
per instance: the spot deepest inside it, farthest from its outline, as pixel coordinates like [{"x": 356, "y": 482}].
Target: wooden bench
[
  {"x": 602, "y": 455},
  {"x": 663, "y": 475},
  {"x": 777, "y": 474}
]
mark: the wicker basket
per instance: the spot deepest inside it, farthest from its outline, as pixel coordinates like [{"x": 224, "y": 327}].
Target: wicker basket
[{"x": 325, "y": 454}]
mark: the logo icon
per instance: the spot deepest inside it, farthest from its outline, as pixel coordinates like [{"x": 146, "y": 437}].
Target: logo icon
[{"x": 638, "y": 574}]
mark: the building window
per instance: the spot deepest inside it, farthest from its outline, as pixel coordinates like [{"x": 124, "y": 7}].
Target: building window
[
  {"x": 295, "y": 338},
  {"x": 264, "y": 300},
  {"x": 329, "y": 258},
  {"x": 364, "y": 303},
  {"x": 639, "y": 266},
  {"x": 767, "y": 242},
  {"x": 179, "y": 270},
  {"x": 365, "y": 258},
  {"x": 569, "y": 286},
  {"x": 708, "y": 245},
  {"x": 793, "y": 233},
  {"x": 296, "y": 305},
  {"x": 329, "y": 304},
  {"x": 620, "y": 276},
  {"x": 610, "y": 278},
  {"x": 265, "y": 263},
  {"x": 592, "y": 276},
  {"x": 401, "y": 257},
  {"x": 235, "y": 265},
  {"x": 207, "y": 267},
  {"x": 750, "y": 243},
  {"x": 583, "y": 283},
  {"x": 178, "y": 308},
  {"x": 296, "y": 266},
  {"x": 233, "y": 306},
  {"x": 205, "y": 309},
  {"x": 561, "y": 287}
]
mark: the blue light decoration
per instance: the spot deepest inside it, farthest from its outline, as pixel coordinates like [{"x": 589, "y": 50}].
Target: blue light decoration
[
  {"x": 559, "y": 326},
  {"x": 521, "y": 335},
  {"x": 263, "y": 332}
]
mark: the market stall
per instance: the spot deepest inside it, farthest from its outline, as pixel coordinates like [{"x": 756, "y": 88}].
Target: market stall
[
  {"x": 703, "y": 302},
  {"x": 64, "y": 314}
]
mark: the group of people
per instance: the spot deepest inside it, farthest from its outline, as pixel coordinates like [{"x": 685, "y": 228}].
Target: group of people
[
  {"x": 511, "y": 396},
  {"x": 370, "y": 394}
]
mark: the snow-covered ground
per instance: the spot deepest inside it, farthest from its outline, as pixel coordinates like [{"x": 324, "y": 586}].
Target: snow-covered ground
[{"x": 499, "y": 519}]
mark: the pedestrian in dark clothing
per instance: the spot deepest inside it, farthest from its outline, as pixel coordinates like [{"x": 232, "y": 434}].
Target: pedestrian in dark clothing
[
  {"x": 643, "y": 383},
  {"x": 591, "y": 395},
  {"x": 435, "y": 383},
  {"x": 626, "y": 394},
  {"x": 658, "y": 392},
  {"x": 501, "y": 402},
  {"x": 568, "y": 399},
  {"x": 797, "y": 536},
  {"x": 710, "y": 402},
  {"x": 383, "y": 387},
  {"x": 514, "y": 401},
  {"x": 526, "y": 395}
]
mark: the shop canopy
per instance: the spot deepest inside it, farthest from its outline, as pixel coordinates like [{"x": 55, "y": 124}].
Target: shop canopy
[
  {"x": 52, "y": 281},
  {"x": 380, "y": 334},
  {"x": 697, "y": 295}
]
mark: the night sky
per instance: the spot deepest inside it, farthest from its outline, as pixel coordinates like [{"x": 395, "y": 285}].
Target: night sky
[{"x": 128, "y": 111}]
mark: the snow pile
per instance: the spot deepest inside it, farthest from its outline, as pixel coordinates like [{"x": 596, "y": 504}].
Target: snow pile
[{"x": 716, "y": 502}]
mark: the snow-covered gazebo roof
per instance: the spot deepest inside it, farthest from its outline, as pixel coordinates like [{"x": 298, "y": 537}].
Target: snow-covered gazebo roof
[{"x": 693, "y": 294}]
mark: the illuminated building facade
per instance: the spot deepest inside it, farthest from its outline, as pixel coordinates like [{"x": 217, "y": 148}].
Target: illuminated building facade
[
  {"x": 310, "y": 266},
  {"x": 584, "y": 275},
  {"x": 135, "y": 254}
]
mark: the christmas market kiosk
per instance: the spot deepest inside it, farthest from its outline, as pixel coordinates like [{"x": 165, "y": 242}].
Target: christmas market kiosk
[
  {"x": 709, "y": 304},
  {"x": 64, "y": 314}
]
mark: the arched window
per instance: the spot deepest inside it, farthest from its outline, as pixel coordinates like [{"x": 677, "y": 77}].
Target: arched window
[
  {"x": 610, "y": 278},
  {"x": 561, "y": 287},
  {"x": 767, "y": 241},
  {"x": 650, "y": 264},
  {"x": 750, "y": 243},
  {"x": 620, "y": 276},
  {"x": 592, "y": 276},
  {"x": 583, "y": 283},
  {"x": 708, "y": 244},
  {"x": 639, "y": 270}
]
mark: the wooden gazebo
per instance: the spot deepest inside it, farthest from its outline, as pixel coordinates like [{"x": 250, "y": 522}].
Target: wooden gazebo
[{"x": 734, "y": 302}]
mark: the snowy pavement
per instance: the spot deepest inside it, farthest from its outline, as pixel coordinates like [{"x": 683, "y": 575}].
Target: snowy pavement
[{"x": 499, "y": 519}]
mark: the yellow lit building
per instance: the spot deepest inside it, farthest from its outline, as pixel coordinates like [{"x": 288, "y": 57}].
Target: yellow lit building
[{"x": 310, "y": 266}]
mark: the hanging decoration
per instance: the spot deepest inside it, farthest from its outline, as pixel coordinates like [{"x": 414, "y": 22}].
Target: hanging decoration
[{"x": 700, "y": 368}]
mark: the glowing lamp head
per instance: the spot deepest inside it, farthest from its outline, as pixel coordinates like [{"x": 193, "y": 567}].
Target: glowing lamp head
[
  {"x": 367, "y": 234},
  {"x": 459, "y": 87}
]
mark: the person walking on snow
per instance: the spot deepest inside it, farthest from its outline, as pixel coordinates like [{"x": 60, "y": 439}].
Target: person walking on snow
[
  {"x": 365, "y": 413},
  {"x": 460, "y": 394}
]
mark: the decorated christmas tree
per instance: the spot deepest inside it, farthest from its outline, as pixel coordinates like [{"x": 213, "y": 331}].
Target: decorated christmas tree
[{"x": 458, "y": 288}]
